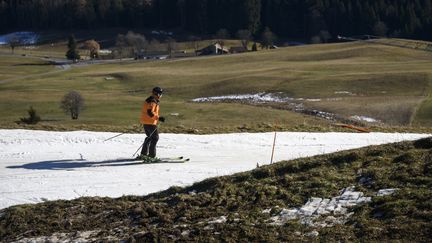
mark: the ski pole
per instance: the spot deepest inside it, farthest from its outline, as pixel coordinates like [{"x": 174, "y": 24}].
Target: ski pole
[{"x": 118, "y": 135}]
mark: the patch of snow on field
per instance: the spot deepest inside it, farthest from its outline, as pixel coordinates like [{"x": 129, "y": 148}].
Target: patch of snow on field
[
  {"x": 36, "y": 166},
  {"x": 336, "y": 209},
  {"x": 256, "y": 98},
  {"x": 364, "y": 118}
]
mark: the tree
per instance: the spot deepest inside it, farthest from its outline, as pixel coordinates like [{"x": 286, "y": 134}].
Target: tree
[
  {"x": 93, "y": 47},
  {"x": 72, "y": 53},
  {"x": 131, "y": 43},
  {"x": 380, "y": 29},
  {"x": 254, "y": 47},
  {"x": 14, "y": 41},
  {"x": 252, "y": 11},
  {"x": 171, "y": 46},
  {"x": 222, "y": 34},
  {"x": 325, "y": 35},
  {"x": 245, "y": 36},
  {"x": 194, "y": 42},
  {"x": 136, "y": 41},
  {"x": 316, "y": 39},
  {"x": 267, "y": 38},
  {"x": 72, "y": 103}
]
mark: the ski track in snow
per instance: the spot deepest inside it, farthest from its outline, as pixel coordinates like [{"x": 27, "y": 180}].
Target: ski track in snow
[{"x": 36, "y": 166}]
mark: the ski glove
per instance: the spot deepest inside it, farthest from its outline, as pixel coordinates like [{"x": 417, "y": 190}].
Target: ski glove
[{"x": 162, "y": 119}]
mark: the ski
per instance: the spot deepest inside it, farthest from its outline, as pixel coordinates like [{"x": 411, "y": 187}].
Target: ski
[
  {"x": 180, "y": 159},
  {"x": 166, "y": 161},
  {"x": 172, "y": 158}
]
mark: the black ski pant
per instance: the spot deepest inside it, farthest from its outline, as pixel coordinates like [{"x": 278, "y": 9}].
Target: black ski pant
[{"x": 149, "y": 147}]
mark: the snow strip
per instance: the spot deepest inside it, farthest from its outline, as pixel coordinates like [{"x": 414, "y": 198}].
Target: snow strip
[{"x": 37, "y": 166}]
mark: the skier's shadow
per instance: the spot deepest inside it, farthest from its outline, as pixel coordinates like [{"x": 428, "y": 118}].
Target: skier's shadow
[{"x": 70, "y": 164}]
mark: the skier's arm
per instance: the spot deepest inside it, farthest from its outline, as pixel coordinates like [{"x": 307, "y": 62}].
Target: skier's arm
[{"x": 152, "y": 111}]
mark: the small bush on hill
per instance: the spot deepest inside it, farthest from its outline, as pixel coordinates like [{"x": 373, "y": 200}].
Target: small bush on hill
[{"x": 33, "y": 117}]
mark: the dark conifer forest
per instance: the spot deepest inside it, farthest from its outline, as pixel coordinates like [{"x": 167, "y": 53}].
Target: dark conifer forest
[{"x": 286, "y": 18}]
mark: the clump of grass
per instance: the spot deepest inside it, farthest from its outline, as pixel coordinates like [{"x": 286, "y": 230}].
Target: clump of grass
[
  {"x": 345, "y": 158},
  {"x": 424, "y": 143}
]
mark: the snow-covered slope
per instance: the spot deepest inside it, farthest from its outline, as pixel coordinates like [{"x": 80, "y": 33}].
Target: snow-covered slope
[{"x": 38, "y": 165}]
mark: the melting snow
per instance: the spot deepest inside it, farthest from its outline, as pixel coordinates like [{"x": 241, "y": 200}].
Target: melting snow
[
  {"x": 364, "y": 118},
  {"x": 256, "y": 98},
  {"x": 220, "y": 220},
  {"x": 336, "y": 209},
  {"x": 36, "y": 166},
  {"x": 386, "y": 192}
]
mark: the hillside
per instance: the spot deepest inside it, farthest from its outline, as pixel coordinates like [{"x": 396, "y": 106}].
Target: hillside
[
  {"x": 389, "y": 84},
  {"x": 378, "y": 193}
]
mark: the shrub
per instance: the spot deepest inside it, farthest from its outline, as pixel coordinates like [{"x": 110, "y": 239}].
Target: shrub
[
  {"x": 424, "y": 143},
  {"x": 33, "y": 117},
  {"x": 73, "y": 103}
]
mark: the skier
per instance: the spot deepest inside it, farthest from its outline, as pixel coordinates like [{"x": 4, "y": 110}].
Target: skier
[{"x": 149, "y": 119}]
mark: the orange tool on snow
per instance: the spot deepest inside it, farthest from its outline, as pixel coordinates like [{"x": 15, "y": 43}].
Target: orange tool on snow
[{"x": 359, "y": 129}]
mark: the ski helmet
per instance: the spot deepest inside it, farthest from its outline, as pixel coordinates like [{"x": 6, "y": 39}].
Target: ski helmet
[{"x": 157, "y": 90}]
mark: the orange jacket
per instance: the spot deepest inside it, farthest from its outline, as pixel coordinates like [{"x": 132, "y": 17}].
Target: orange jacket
[{"x": 150, "y": 111}]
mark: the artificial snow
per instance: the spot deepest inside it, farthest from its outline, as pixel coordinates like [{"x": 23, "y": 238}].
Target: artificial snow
[
  {"x": 386, "y": 192},
  {"x": 220, "y": 220},
  {"x": 364, "y": 118},
  {"x": 336, "y": 209},
  {"x": 36, "y": 166},
  {"x": 262, "y": 97},
  {"x": 255, "y": 98}
]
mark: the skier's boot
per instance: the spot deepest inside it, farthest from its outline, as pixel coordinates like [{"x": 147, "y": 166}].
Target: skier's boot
[{"x": 148, "y": 159}]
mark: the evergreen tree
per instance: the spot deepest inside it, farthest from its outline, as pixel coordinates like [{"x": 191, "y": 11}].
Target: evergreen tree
[
  {"x": 252, "y": 15},
  {"x": 287, "y": 18},
  {"x": 72, "y": 53},
  {"x": 33, "y": 117}
]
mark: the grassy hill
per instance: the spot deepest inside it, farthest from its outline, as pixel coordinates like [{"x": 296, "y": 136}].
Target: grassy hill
[
  {"x": 253, "y": 206},
  {"x": 388, "y": 83}
]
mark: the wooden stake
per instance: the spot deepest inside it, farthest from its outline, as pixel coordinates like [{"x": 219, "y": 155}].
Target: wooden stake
[{"x": 274, "y": 143}]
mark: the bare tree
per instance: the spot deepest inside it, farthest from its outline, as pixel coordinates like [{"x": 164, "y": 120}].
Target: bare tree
[
  {"x": 137, "y": 42},
  {"x": 267, "y": 38},
  {"x": 194, "y": 42},
  {"x": 14, "y": 42},
  {"x": 93, "y": 47},
  {"x": 325, "y": 35},
  {"x": 245, "y": 36},
  {"x": 155, "y": 45},
  {"x": 131, "y": 43},
  {"x": 171, "y": 46},
  {"x": 72, "y": 103}
]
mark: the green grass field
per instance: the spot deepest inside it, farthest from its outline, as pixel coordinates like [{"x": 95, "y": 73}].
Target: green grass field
[{"x": 388, "y": 83}]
